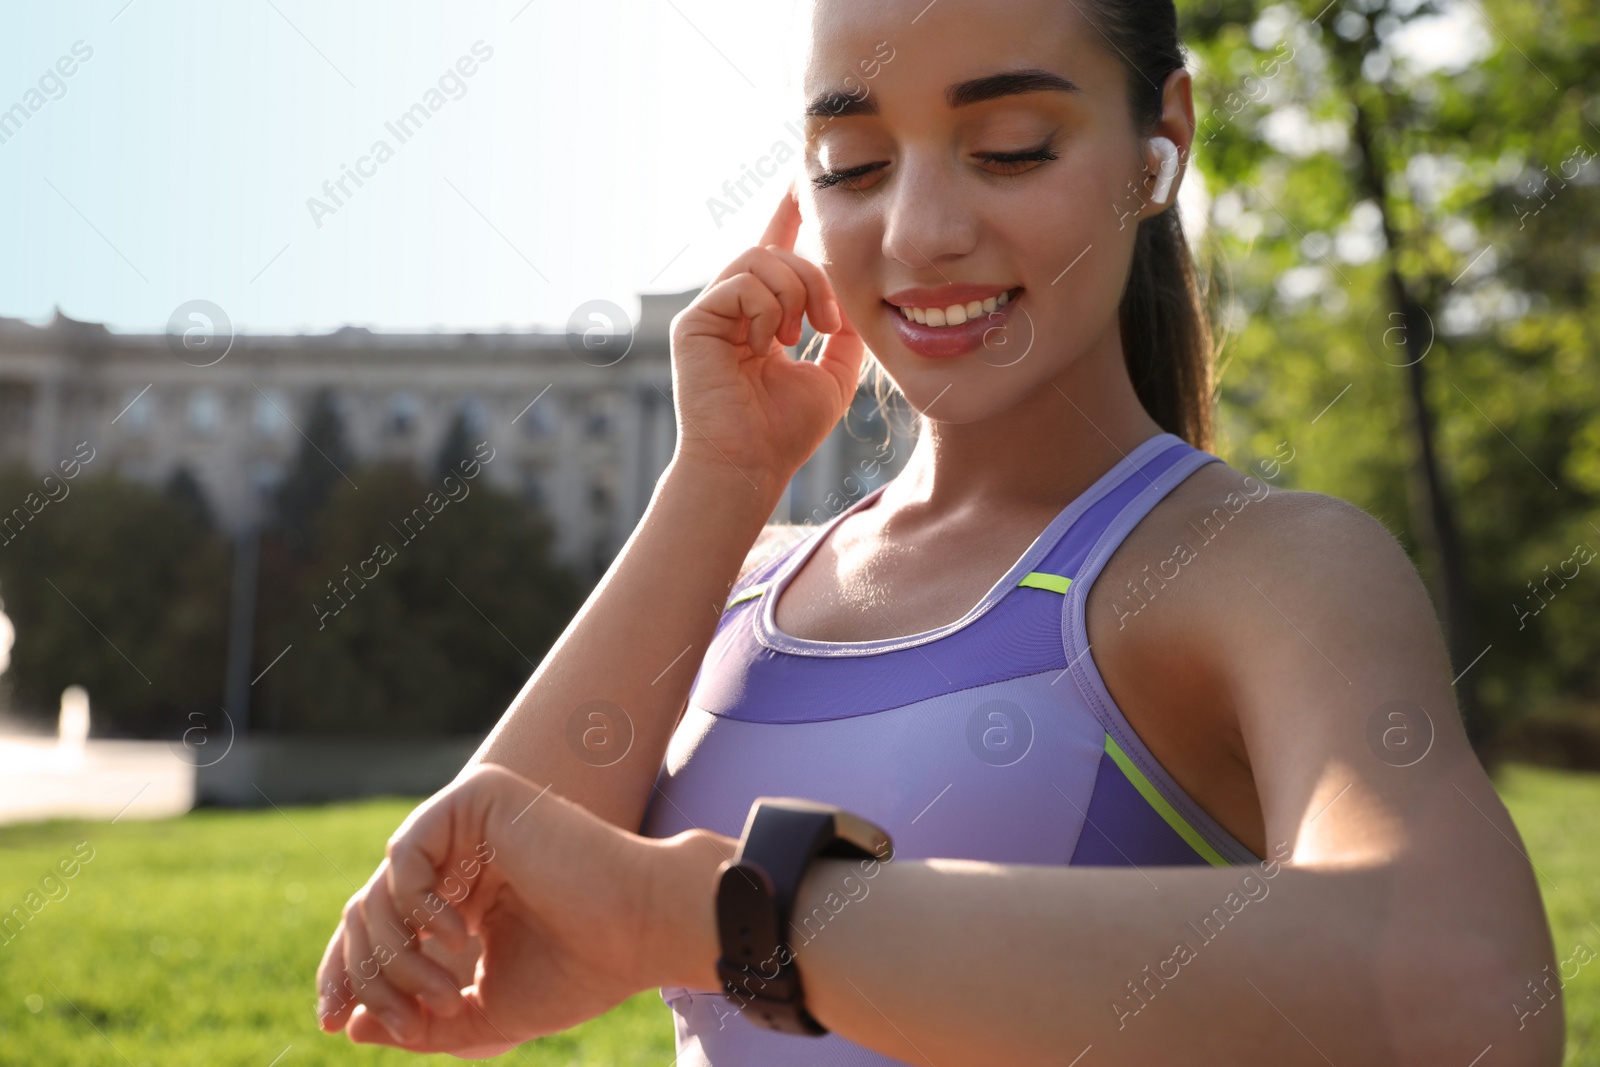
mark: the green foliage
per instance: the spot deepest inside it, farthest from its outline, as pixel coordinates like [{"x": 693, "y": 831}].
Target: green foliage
[
  {"x": 196, "y": 941},
  {"x": 419, "y": 607},
  {"x": 457, "y": 447},
  {"x": 1491, "y": 202},
  {"x": 124, "y": 589},
  {"x": 120, "y": 588}
]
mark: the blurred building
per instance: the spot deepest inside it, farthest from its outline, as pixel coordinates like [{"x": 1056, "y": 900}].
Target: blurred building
[{"x": 578, "y": 434}]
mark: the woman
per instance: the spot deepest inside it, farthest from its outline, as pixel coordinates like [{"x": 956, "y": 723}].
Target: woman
[{"x": 1170, "y": 758}]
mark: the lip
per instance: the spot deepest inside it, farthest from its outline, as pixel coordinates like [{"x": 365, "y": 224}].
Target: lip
[
  {"x": 945, "y": 295},
  {"x": 945, "y": 342}
]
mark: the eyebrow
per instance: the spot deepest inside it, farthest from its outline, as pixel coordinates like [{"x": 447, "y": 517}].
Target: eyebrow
[{"x": 836, "y": 104}]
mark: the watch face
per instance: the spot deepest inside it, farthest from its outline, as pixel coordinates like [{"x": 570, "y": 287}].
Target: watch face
[{"x": 851, "y": 832}]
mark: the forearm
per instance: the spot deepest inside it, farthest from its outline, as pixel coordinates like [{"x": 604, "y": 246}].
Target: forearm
[
  {"x": 954, "y": 962},
  {"x": 974, "y": 963},
  {"x": 635, "y": 645}
]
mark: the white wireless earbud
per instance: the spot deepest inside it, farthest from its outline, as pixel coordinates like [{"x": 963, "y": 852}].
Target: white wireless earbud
[{"x": 1169, "y": 168}]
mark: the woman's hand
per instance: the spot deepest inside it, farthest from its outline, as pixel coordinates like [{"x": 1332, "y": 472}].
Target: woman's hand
[
  {"x": 546, "y": 909},
  {"x": 740, "y": 399}
]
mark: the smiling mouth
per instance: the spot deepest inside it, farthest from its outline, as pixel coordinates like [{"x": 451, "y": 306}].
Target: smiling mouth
[{"x": 957, "y": 314}]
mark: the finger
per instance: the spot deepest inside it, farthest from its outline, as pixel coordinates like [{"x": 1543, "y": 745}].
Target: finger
[
  {"x": 784, "y": 225},
  {"x": 449, "y": 928},
  {"x": 413, "y": 880},
  {"x": 396, "y": 1011},
  {"x": 461, "y": 961},
  {"x": 841, "y": 357},
  {"x": 365, "y": 1029},
  {"x": 469, "y": 1034},
  {"x": 770, "y": 312},
  {"x": 740, "y": 310},
  {"x": 779, "y": 276},
  {"x": 334, "y": 990},
  {"x": 822, "y": 305},
  {"x": 408, "y": 970}
]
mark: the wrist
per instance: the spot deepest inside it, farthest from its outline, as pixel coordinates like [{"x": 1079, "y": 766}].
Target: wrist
[
  {"x": 760, "y": 486},
  {"x": 681, "y": 928}
]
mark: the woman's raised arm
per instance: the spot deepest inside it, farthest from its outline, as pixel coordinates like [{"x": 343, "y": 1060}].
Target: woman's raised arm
[{"x": 594, "y": 720}]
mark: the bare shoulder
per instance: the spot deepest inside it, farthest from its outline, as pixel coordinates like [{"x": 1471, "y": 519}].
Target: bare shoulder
[
  {"x": 774, "y": 539},
  {"x": 1230, "y": 576},
  {"x": 1277, "y": 599},
  {"x": 1266, "y": 535},
  {"x": 1238, "y": 528}
]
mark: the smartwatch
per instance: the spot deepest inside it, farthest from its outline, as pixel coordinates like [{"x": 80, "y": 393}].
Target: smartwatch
[{"x": 755, "y": 898}]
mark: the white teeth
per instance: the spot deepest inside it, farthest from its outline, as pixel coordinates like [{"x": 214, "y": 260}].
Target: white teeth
[{"x": 955, "y": 314}]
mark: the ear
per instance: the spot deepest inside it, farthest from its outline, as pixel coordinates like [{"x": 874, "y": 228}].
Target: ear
[
  {"x": 1166, "y": 170},
  {"x": 1167, "y": 145}
]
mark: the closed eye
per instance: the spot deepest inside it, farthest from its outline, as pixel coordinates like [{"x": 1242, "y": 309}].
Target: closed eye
[
  {"x": 1012, "y": 163},
  {"x": 1010, "y": 159}
]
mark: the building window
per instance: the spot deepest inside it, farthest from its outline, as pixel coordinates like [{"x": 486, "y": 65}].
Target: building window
[
  {"x": 270, "y": 413},
  {"x": 474, "y": 415},
  {"x": 404, "y": 413},
  {"x": 540, "y": 419},
  {"x": 136, "y": 410},
  {"x": 205, "y": 411}
]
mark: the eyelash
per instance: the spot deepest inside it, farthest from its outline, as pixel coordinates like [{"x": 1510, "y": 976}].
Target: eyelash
[{"x": 828, "y": 179}]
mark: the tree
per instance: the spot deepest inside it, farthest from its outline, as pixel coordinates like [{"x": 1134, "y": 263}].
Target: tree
[
  {"x": 457, "y": 446},
  {"x": 1410, "y": 299},
  {"x": 421, "y": 608},
  {"x": 120, "y": 588},
  {"x": 319, "y": 466},
  {"x": 186, "y": 493}
]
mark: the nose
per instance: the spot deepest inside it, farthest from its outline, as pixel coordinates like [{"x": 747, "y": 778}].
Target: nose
[{"x": 927, "y": 219}]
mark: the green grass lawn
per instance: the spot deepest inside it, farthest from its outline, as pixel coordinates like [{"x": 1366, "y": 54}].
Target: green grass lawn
[{"x": 195, "y": 941}]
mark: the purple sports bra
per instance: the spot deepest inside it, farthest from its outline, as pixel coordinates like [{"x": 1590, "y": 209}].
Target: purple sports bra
[{"x": 992, "y": 737}]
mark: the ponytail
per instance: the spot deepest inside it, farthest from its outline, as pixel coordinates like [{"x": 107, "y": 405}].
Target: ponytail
[{"x": 1166, "y": 331}]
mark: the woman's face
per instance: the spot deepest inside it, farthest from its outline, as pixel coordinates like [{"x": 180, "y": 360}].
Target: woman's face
[{"x": 913, "y": 208}]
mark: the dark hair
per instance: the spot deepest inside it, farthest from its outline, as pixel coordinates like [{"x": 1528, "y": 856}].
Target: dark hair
[{"x": 1166, "y": 327}]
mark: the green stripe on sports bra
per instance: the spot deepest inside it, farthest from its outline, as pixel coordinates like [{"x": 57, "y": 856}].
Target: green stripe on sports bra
[
  {"x": 1165, "y": 810},
  {"x": 1056, "y": 583},
  {"x": 749, "y": 594}
]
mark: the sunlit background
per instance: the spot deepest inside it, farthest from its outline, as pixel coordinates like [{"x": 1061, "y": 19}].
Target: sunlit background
[{"x": 275, "y": 272}]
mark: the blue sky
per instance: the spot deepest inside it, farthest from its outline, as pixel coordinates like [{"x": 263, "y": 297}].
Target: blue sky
[
  {"x": 569, "y": 158},
  {"x": 559, "y": 153}
]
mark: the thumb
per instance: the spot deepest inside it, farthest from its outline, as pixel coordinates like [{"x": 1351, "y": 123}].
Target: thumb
[{"x": 842, "y": 353}]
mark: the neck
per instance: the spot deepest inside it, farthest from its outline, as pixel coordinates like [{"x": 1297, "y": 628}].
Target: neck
[{"x": 1044, "y": 450}]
